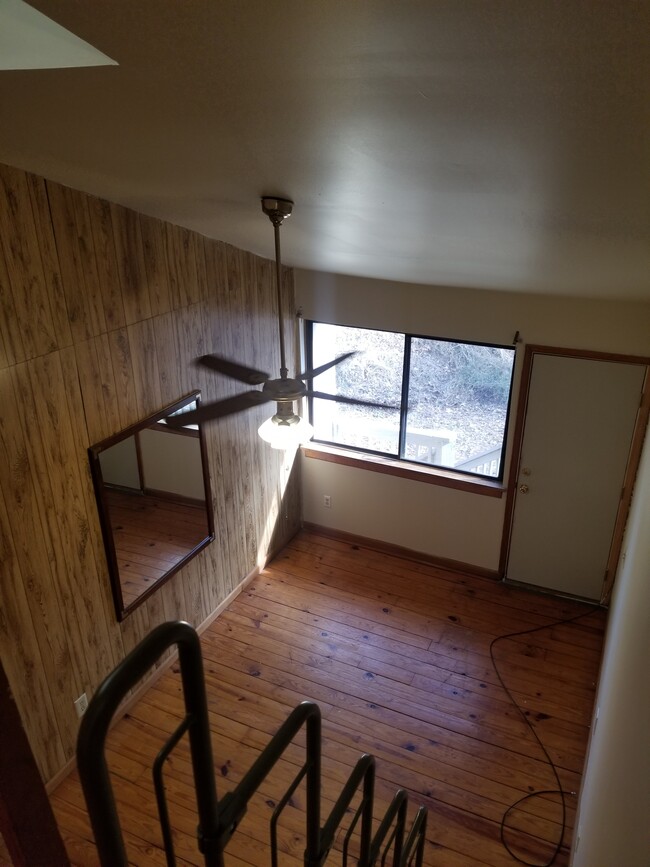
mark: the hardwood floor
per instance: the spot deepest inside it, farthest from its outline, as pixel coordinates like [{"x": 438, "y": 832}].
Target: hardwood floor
[{"x": 397, "y": 654}]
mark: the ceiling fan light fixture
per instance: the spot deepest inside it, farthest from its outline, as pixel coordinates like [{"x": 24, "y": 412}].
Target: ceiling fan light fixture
[{"x": 286, "y": 431}]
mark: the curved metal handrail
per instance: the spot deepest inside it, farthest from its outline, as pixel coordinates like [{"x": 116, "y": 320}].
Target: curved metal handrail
[
  {"x": 218, "y": 819},
  {"x": 91, "y": 761}
]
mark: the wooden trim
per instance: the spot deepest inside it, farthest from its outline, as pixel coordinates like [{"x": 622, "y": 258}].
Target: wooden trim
[
  {"x": 178, "y": 431},
  {"x": 633, "y": 459},
  {"x": 60, "y": 775},
  {"x": 252, "y": 575},
  {"x": 145, "y": 685},
  {"x": 27, "y": 823},
  {"x": 636, "y": 447},
  {"x": 429, "y": 475},
  {"x": 126, "y": 610},
  {"x": 139, "y": 461},
  {"x": 146, "y": 422},
  {"x": 122, "y": 610},
  {"x": 405, "y": 553},
  {"x": 273, "y": 552},
  {"x": 590, "y": 354},
  {"x": 522, "y": 406}
]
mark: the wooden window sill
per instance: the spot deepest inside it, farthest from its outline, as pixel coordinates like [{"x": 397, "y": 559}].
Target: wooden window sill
[{"x": 422, "y": 473}]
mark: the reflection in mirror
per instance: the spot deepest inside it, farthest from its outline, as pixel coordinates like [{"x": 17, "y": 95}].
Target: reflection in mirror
[{"x": 153, "y": 495}]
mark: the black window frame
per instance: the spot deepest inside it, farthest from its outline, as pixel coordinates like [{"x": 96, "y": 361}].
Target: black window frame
[{"x": 408, "y": 337}]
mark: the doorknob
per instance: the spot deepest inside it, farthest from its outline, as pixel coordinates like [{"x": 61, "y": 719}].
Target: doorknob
[{"x": 523, "y": 489}]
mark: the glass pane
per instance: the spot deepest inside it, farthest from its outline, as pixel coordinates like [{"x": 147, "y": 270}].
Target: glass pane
[
  {"x": 458, "y": 402},
  {"x": 374, "y": 374}
]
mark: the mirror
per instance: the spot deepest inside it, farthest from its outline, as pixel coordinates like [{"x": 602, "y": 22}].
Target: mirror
[{"x": 153, "y": 495}]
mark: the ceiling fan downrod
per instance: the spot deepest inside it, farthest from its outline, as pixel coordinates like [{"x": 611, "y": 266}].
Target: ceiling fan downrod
[
  {"x": 277, "y": 210},
  {"x": 286, "y": 427}
]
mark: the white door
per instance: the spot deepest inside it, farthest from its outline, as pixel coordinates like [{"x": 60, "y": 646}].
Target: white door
[{"x": 578, "y": 428}]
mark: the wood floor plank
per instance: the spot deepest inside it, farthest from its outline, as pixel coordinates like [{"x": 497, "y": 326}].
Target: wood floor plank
[
  {"x": 364, "y": 560},
  {"x": 324, "y": 687},
  {"x": 436, "y": 630},
  {"x": 397, "y": 655},
  {"x": 493, "y": 596},
  {"x": 446, "y": 605},
  {"x": 555, "y": 699}
]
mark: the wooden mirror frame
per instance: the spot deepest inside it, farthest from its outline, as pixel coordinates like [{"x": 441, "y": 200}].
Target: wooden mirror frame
[{"x": 102, "y": 491}]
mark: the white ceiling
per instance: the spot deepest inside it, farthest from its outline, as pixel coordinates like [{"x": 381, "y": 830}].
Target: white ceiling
[{"x": 492, "y": 144}]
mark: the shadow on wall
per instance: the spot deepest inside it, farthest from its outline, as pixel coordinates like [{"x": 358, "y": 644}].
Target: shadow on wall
[{"x": 285, "y": 519}]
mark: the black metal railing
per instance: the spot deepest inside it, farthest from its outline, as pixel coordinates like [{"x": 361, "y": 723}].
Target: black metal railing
[{"x": 219, "y": 818}]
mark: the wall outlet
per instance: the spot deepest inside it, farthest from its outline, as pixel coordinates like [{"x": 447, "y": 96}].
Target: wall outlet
[
  {"x": 327, "y": 501},
  {"x": 81, "y": 705}
]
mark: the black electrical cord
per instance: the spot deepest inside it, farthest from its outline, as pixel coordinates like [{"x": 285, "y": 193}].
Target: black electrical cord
[{"x": 559, "y": 791}]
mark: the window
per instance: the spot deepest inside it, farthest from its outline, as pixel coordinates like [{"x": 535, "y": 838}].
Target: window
[{"x": 448, "y": 400}]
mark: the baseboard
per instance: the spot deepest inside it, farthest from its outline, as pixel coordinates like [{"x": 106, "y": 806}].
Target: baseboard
[
  {"x": 60, "y": 776},
  {"x": 405, "y": 553},
  {"x": 229, "y": 598},
  {"x": 157, "y": 673}
]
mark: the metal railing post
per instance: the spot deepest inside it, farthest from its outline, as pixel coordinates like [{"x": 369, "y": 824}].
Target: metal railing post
[
  {"x": 91, "y": 760},
  {"x": 313, "y": 849}
]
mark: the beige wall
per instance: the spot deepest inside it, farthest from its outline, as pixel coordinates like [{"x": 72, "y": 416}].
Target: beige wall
[
  {"x": 101, "y": 312},
  {"x": 440, "y": 522},
  {"x": 426, "y": 518},
  {"x": 471, "y": 314},
  {"x": 172, "y": 463},
  {"x": 612, "y": 822}
]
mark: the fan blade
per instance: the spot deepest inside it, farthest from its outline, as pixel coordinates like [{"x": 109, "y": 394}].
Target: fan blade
[
  {"x": 312, "y": 374},
  {"x": 339, "y": 398},
  {"x": 232, "y": 369},
  {"x": 218, "y": 409}
]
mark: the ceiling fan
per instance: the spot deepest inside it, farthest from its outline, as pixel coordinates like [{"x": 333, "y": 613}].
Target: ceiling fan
[{"x": 286, "y": 428}]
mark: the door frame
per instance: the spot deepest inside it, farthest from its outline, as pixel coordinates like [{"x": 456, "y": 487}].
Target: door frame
[
  {"x": 638, "y": 436},
  {"x": 27, "y": 821}
]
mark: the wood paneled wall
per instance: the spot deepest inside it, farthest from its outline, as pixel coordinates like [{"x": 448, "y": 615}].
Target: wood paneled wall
[{"x": 101, "y": 312}]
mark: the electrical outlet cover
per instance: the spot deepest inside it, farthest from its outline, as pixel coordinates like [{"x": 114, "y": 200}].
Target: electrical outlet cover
[{"x": 81, "y": 705}]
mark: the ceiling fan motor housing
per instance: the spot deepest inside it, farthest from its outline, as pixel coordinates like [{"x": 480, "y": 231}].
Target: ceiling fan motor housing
[
  {"x": 277, "y": 209},
  {"x": 285, "y": 390}
]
